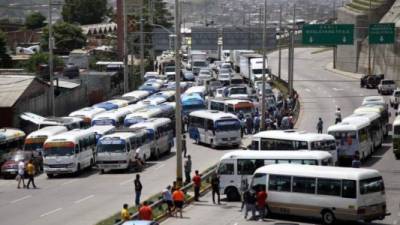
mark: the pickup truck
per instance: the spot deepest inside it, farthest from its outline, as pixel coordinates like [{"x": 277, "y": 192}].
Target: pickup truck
[
  {"x": 371, "y": 81},
  {"x": 395, "y": 98},
  {"x": 386, "y": 87}
]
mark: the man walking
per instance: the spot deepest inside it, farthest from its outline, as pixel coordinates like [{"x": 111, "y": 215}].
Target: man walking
[
  {"x": 188, "y": 169},
  {"x": 196, "y": 185},
  {"x": 179, "y": 198},
  {"x": 138, "y": 190},
  {"x": 167, "y": 198},
  {"x": 184, "y": 149},
  {"x": 145, "y": 212},
  {"x": 31, "y": 170},
  {"x": 215, "y": 188},
  {"x": 250, "y": 203},
  {"x": 21, "y": 174},
  {"x": 320, "y": 125}
]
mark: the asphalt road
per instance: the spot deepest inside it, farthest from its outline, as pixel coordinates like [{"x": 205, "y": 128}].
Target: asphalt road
[{"x": 321, "y": 91}]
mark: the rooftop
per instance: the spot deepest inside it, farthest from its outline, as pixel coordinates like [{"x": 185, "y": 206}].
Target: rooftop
[{"x": 12, "y": 87}]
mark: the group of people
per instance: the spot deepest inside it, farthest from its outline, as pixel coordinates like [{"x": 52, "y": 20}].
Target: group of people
[
  {"x": 28, "y": 171},
  {"x": 254, "y": 200}
]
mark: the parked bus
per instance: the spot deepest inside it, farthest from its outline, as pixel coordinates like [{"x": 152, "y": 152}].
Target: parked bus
[
  {"x": 150, "y": 87},
  {"x": 236, "y": 168},
  {"x": 351, "y": 136},
  {"x": 123, "y": 149},
  {"x": 294, "y": 140},
  {"x": 152, "y": 101},
  {"x": 100, "y": 131},
  {"x": 201, "y": 90},
  {"x": 168, "y": 95},
  {"x": 10, "y": 139},
  {"x": 35, "y": 140},
  {"x": 380, "y": 109},
  {"x": 140, "y": 95},
  {"x": 215, "y": 128},
  {"x": 234, "y": 106},
  {"x": 69, "y": 152},
  {"x": 396, "y": 137},
  {"x": 327, "y": 193},
  {"x": 142, "y": 115},
  {"x": 112, "y": 104},
  {"x": 87, "y": 114},
  {"x": 192, "y": 102},
  {"x": 114, "y": 117},
  {"x": 161, "y": 132}
]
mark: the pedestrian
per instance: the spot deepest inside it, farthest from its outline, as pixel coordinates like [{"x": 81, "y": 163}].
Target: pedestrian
[
  {"x": 138, "y": 190},
  {"x": 174, "y": 186},
  {"x": 256, "y": 123},
  {"x": 184, "y": 149},
  {"x": 145, "y": 212},
  {"x": 215, "y": 188},
  {"x": 31, "y": 170},
  {"x": 250, "y": 203},
  {"x": 243, "y": 187},
  {"x": 125, "y": 215},
  {"x": 167, "y": 198},
  {"x": 188, "y": 169},
  {"x": 249, "y": 125},
  {"x": 242, "y": 126},
  {"x": 320, "y": 125},
  {"x": 261, "y": 202},
  {"x": 179, "y": 198},
  {"x": 21, "y": 174},
  {"x": 196, "y": 184},
  {"x": 338, "y": 116},
  {"x": 356, "y": 163}
]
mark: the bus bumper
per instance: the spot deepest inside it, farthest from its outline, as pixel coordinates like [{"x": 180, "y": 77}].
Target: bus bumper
[
  {"x": 227, "y": 141},
  {"x": 59, "y": 170},
  {"x": 112, "y": 166}
]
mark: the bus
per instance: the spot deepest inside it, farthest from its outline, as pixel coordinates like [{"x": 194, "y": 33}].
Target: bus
[
  {"x": 122, "y": 149},
  {"x": 236, "y": 168},
  {"x": 112, "y": 104},
  {"x": 152, "y": 101},
  {"x": 10, "y": 139},
  {"x": 352, "y": 135},
  {"x": 69, "y": 152},
  {"x": 233, "y": 106},
  {"x": 114, "y": 117},
  {"x": 139, "y": 95},
  {"x": 168, "y": 95},
  {"x": 323, "y": 192},
  {"x": 150, "y": 87},
  {"x": 142, "y": 115},
  {"x": 87, "y": 114},
  {"x": 35, "y": 140},
  {"x": 214, "y": 128},
  {"x": 192, "y": 102},
  {"x": 396, "y": 137},
  {"x": 69, "y": 122},
  {"x": 380, "y": 109},
  {"x": 161, "y": 132},
  {"x": 100, "y": 131},
  {"x": 294, "y": 140},
  {"x": 201, "y": 90}
]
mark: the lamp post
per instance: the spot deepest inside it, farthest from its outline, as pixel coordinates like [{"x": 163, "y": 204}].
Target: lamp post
[
  {"x": 264, "y": 37},
  {"x": 51, "y": 42}
]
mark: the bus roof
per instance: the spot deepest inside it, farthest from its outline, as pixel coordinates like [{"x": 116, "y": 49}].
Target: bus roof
[
  {"x": 137, "y": 94},
  {"x": 237, "y": 101},
  {"x": 357, "y": 120},
  {"x": 196, "y": 89},
  {"x": 374, "y": 100},
  {"x": 145, "y": 112},
  {"x": 87, "y": 112},
  {"x": 370, "y": 108},
  {"x": 8, "y": 134},
  {"x": 301, "y": 154},
  {"x": 319, "y": 171},
  {"x": 47, "y": 131},
  {"x": 101, "y": 129},
  {"x": 213, "y": 114},
  {"x": 120, "y": 135},
  {"x": 151, "y": 123},
  {"x": 351, "y": 124},
  {"x": 69, "y": 136},
  {"x": 396, "y": 121},
  {"x": 370, "y": 115},
  {"x": 293, "y": 135}
]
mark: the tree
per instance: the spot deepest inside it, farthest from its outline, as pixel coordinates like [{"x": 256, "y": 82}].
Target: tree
[
  {"x": 67, "y": 37},
  {"x": 85, "y": 11},
  {"x": 5, "y": 59},
  {"x": 36, "y": 59},
  {"x": 35, "y": 20}
]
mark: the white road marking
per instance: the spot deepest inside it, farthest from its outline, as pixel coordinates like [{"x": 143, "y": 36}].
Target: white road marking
[
  {"x": 50, "y": 212},
  {"x": 84, "y": 199},
  {"x": 337, "y": 89},
  {"x": 69, "y": 182},
  {"x": 159, "y": 167},
  {"x": 126, "y": 182},
  {"x": 20, "y": 199},
  {"x": 308, "y": 90}
]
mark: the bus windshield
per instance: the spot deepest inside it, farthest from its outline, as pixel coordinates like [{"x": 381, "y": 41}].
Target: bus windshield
[
  {"x": 227, "y": 125},
  {"x": 33, "y": 146},
  {"x": 116, "y": 148},
  {"x": 59, "y": 151},
  {"x": 326, "y": 145}
]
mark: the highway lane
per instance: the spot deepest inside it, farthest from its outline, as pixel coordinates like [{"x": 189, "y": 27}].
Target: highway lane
[{"x": 321, "y": 91}]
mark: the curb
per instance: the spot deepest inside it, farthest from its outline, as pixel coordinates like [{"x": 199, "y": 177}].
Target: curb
[{"x": 356, "y": 76}]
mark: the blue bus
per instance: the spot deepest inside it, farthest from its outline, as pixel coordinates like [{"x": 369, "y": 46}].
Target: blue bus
[{"x": 192, "y": 102}]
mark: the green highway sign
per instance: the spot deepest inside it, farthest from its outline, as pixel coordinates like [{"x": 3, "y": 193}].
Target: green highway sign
[
  {"x": 381, "y": 33},
  {"x": 328, "y": 34}
]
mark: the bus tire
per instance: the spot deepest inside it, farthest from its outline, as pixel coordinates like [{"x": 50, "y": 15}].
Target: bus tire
[
  {"x": 213, "y": 145},
  {"x": 232, "y": 194},
  {"x": 157, "y": 154},
  {"x": 102, "y": 171},
  {"x": 78, "y": 171},
  {"x": 328, "y": 218},
  {"x": 50, "y": 175}
]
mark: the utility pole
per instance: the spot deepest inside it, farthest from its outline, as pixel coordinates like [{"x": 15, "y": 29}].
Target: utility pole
[
  {"x": 141, "y": 42},
  {"x": 291, "y": 53},
  {"x": 51, "y": 43},
  {"x": 125, "y": 49},
  {"x": 369, "y": 45},
  {"x": 334, "y": 47},
  {"x": 280, "y": 43},
  {"x": 264, "y": 38},
  {"x": 178, "y": 111}
]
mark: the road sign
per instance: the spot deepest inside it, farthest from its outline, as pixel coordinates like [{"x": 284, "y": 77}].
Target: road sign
[
  {"x": 204, "y": 38},
  {"x": 247, "y": 38},
  {"x": 381, "y": 33},
  {"x": 160, "y": 39},
  {"x": 328, "y": 34}
]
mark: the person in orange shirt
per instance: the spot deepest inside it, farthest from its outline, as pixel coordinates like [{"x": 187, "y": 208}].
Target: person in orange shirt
[
  {"x": 179, "y": 198},
  {"x": 145, "y": 212}
]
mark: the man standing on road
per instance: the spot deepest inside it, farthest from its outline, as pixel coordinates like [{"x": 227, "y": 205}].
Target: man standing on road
[
  {"x": 184, "y": 149},
  {"x": 215, "y": 188},
  {"x": 250, "y": 203},
  {"x": 320, "y": 125},
  {"x": 261, "y": 202},
  {"x": 188, "y": 169},
  {"x": 179, "y": 198},
  {"x": 125, "y": 216},
  {"x": 21, "y": 174},
  {"x": 138, "y": 190},
  {"x": 196, "y": 185},
  {"x": 30, "y": 169},
  {"x": 145, "y": 212}
]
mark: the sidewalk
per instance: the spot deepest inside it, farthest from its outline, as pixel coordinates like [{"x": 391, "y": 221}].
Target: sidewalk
[{"x": 329, "y": 67}]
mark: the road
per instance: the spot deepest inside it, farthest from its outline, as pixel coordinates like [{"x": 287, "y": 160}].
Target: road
[{"x": 321, "y": 91}]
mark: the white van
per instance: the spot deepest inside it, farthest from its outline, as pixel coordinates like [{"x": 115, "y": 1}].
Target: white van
[{"x": 35, "y": 140}]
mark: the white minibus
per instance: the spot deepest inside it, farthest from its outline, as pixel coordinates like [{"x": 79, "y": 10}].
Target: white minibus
[
  {"x": 35, "y": 140},
  {"x": 294, "y": 140},
  {"x": 396, "y": 137},
  {"x": 328, "y": 193},
  {"x": 10, "y": 139},
  {"x": 100, "y": 131},
  {"x": 152, "y": 101},
  {"x": 201, "y": 90},
  {"x": 161, "y": 132},
  {"x": 380, "y": 109},
  {"x": 69, "y": 152},
  {"x": 87, "y": 114},
  {"x": 236, "y": 168},
  {"x": 140, "y": 95},
  {"x": 352, "y": 135},
  {"x": 122, "y": 149},
  {"x": 141, "y": 115},
  {"x": 113, "y": 117},
  {"x": 169, "y": 95},
  {"x": 214, "y": 128}
]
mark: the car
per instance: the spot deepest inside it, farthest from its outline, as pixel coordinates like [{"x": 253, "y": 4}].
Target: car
[
  {"x": 151, "y": 75},
  {"x": 371, "y": 81},
  {"x": 71, "y": 71},
  {"x": 219, "y": 93},
  {"x": 9, "y": 169},
  {"x": 386, "y": 86},
  {"x": 226, "y": 66},
  {"x": 140, "y": 222},
  {"x": 188, "y": 75},
  {"x": 395, "y": 98},
  {"x": 225, "y": 75},
  {"x": 204, "y": 75}
]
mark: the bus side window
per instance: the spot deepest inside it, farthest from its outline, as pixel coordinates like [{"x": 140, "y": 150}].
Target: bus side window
[
  {"x": 329, "y": 187},
  {"x": 226, "y": 169},
  {"x": 279, "y": 183},
  {"x": 210, "y": 125},
  {"x": 254, "y": 145},
  {"x": 349, "y": 189}
]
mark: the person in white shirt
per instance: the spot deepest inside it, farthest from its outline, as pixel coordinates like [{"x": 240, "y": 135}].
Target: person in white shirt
[
  {"x": 338, "y": 115},
  {"x": 21, "y": 173}
]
